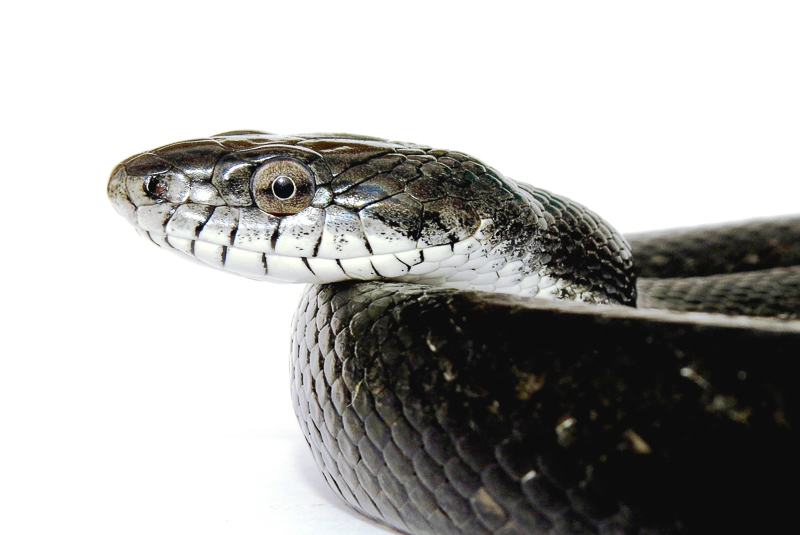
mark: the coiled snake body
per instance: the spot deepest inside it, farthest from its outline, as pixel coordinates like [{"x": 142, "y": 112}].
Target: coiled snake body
[{"x": 460, "y": 361}]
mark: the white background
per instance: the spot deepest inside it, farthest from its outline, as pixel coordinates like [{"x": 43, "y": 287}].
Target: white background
[{"x": 140, "y": 393}]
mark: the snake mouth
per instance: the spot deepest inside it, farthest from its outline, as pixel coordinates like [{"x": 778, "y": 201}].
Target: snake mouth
[
  {"x": 417, "y": 265},
  {"x": 274, "y": 267}
]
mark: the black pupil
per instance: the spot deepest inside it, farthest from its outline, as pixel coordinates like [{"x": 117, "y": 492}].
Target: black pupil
[{"x": 283, "y": 187}]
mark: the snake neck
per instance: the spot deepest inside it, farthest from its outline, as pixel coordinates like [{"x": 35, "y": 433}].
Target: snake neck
[{"x": 550, "y": 247}]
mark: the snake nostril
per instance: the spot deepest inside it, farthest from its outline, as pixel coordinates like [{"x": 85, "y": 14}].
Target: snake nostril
[{"x": 155, "y": 186}]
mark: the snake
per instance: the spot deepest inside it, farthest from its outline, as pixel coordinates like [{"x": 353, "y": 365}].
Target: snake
[{"x": 475, "y": 355}]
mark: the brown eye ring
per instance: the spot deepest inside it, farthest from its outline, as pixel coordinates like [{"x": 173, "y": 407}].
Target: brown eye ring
[{"x": 283, "y": 186}]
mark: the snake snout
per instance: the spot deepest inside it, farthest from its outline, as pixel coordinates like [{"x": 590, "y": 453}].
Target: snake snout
[
  {"x": 146, "y": 189},
  {"x": 117, "y": 193}
]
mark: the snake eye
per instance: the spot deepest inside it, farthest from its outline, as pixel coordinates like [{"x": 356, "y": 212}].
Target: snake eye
[
  {"x": 155, "y": 186},
  {"x": 283, "y": 186}
]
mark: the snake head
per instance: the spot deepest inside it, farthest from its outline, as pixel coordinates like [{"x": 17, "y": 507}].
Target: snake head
[
  {"x": 333, "y": 207},
  {"x": 314, "y": 208}
]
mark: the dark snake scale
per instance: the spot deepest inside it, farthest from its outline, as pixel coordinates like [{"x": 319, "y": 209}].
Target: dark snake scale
[{"x": 461, "y": 362}]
